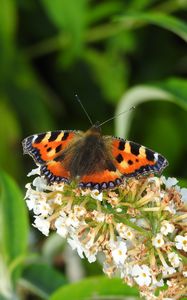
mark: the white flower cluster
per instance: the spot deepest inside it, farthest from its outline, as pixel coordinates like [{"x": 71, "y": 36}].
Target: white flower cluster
[{"x": 140, "y": 227}]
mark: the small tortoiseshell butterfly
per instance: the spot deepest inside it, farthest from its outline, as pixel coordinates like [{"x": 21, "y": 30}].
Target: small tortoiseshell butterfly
[{"x": 92, "y": 160}]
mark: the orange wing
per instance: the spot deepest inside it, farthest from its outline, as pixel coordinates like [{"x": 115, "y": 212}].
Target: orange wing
[
  {"x": 132, "y": 159},
  {"x": 101, "y": 180},
  {"x": 47, "y": 151},
  {"x": 127, "y": 159}
]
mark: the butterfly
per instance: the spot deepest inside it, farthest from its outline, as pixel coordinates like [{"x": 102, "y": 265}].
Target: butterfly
[{"x": 90, "y": 159}]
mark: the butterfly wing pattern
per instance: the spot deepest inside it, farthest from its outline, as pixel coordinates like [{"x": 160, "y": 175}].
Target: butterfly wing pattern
[
  {"x": 132, "y": 159},
  {"x": 94, "y": 161},
  {"x": 47, "y": 149}
]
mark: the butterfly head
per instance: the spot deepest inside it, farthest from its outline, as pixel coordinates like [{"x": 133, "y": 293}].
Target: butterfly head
[{"x": 96, "y": 128}]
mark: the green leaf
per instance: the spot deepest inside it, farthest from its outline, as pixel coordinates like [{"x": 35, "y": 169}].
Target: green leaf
[
  {"x": 162, "y": 132},
  {"x": 183, "y": 182},
  {"x": 7, "y": 20},
  {"x": 106, "y": 67},
  {"x": 165, "y": 21},
  {"x": 94, "y": 287},
  {"x": 42, "y": 279},
  {"x": 68, "y": 16},
  {"x": 103, "y": 10},
  {"x": 137, "y": 5},
  {"x": 14, "y": 224},
  {"x": 7, "y": 32},
  {"x": 65, "y": 13},
  {"x": 173, "y": 90},
  {"x": 9, "y": 140},
  {"x": 25, "y": 88}
]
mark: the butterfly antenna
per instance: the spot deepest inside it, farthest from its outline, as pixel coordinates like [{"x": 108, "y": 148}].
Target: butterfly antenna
[
  {"x": 78, "y": 99},
  {"x": 123, "y": 112}
]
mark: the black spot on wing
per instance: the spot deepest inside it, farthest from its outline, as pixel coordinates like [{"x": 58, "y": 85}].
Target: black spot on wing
[
  {"x": 149, "y": 154},
  {"x": 39, "y": 138},
  {"x": 121, "y": 145},
  {"x": 65, "y": 136},
  {"x": 130, "y": 162},
  {"x": 119, "y": 158},
  {"x": 135, "y": 148},
  {"x": 53, "y": 136},
  {"x": 49, "y": 149},
  {"x": 58, "y": 148}
]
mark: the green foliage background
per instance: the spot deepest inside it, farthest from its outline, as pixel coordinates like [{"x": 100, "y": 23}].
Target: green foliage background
[{"x": 114, "y": 54}]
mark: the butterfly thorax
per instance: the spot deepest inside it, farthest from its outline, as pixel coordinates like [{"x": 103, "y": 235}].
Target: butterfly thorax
[{"x": 89, "y": 155}]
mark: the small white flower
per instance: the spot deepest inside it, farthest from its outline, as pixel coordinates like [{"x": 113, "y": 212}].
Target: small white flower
[
  {"x": 185, "y": 273},
  {"x": 98, "y": 216},
  {"x": 171, "y": 181},
  {"x": 42, "y": 208},
  {"x": 119, "y": 252},
  {"x": 72, "y": 220},
  {"x": 171, "y": 208},
  {"x": 34, "y": 172},
  {"x": 126, "y": 270},
  {"x": 174, "y": 259},
  {"x": 166, "y": 227},
  {"x": 42, "y": 224},
  {"x": 91, "y": 254},
  {"x": 183, "y": 192},
  {"x": 142, "y": 275},
  {"x": 96, "y": 195},
  {"x": 141, "y": 222},
  {"x": 156, "y": 282},
  {"x": 159, "y": 283},
  {"x": 76, "y": 245},
  {"x": 30, "y": 193},
  {"x": 56, "y": 187},
  {"x": 181, "y": 242},
  {"x": 124, "y": 231},
  {"x": 40, "y": 183},
  {"x": 158, "y": 240},
  {"x": 119, "y": 210},
  {"x": 61, "y": 227},
  {"x": 167, "y": 270},
  {"x": 31, "y": 203},
  {"x": 108, "y": 269},
  {"x": 58, "y": 199},
  {"x": 79, "y": 211},
  {"x": 154, "y": 180},
  {"x": 90, "y": 240}
]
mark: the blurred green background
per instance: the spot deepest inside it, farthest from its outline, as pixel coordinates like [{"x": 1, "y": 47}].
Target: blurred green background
[{"x": 114, "y": 54}]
